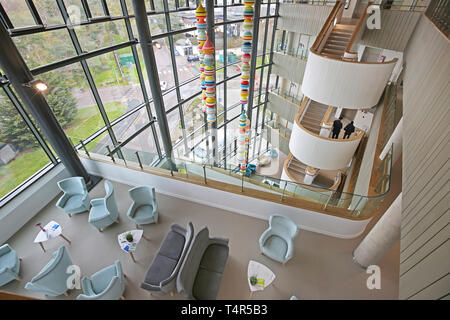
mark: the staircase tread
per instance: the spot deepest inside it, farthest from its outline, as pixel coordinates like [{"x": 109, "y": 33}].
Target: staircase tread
[
  {"x": 331, "y": 55},
  {"x": 332, "y": 51},
  {"x": 339, "y": 46}
]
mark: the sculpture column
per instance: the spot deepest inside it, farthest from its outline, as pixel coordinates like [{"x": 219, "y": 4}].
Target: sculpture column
[{"x": 382, "y": 237}]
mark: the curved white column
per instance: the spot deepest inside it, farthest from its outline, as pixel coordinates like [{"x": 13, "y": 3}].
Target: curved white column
[
  {"x": 321, "y": 152},
  {"x": 345, "y": 84},
  {"x": 382, "y": 237}
]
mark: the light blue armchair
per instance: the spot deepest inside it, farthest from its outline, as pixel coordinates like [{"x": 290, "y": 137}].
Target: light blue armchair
[
  {"x": 144, "y": 209},
  {"x": 277, "y": 241},
  {"x": 9, "y": 265},
  {"x": 104, "y": 211},
  {"x": 106, "y": 284},
  {"x": 52, "y": 279},
  {"x": 75, "y": 198}
]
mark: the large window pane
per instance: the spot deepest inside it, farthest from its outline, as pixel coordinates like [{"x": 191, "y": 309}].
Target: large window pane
[
  {"x": 96, "y": 8},
  {"x": 20, "y": 154},
  {"x": 190, "y": 88},
  {"x": 18, "y": 13},
  {"x": 99, "y": 35},
  {"x": 114, "y": 8},
  {"x": 72, "y": 102},
  {"x": 49, "y": 12},
  {"x": 117, "y": 81},
  {"x": 75, "y": 10},
  {"x": 130, "y": 125},
  {"x": 157, "y": 24},
  {"x": 46, "y": 47}
]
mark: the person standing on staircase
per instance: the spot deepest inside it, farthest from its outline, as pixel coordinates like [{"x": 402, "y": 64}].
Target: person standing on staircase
[
  {"x": 337, "y": 126},
  {"x": 349, "y": 129}
]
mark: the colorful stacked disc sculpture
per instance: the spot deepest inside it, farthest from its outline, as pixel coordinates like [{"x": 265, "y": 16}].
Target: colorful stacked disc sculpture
[
  {"x": 244, "y": 122},
  {"x": 242, "y": 142},
  {"x": 200, "y": 14},
  {"x": 210, "y": 80}
]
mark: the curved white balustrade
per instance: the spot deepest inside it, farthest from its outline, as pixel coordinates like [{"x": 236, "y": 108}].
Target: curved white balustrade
[
  {"x": 345, "y": 84},
  {"x": 321, "y": 152}
]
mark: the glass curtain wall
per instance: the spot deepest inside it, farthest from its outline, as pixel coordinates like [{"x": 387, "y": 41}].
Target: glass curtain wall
[{"x": 88, "y": 53}]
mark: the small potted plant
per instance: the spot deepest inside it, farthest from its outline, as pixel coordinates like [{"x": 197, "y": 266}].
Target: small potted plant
[
  {"x": 253, "y": 280},
  {"x": 129, "y": 237}
]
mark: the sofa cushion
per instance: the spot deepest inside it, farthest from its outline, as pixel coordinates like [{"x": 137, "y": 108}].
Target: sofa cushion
[
  {"x": 206, "y": 284},
  {"x": 214, "y": 258},
  {"x": 160, "y": 269},
  {"x": 172, "y": 245}
]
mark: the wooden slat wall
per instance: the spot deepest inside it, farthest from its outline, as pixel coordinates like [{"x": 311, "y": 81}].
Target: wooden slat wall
[
  {"x": 425, "y": 246},
  {"x": 303, "y": 18},
  {"x": 396, "y": 29},
  {"x": 289, "y": 67}
]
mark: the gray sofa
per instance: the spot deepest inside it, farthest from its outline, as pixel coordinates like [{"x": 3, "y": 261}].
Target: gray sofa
[
  {"x": 201, "y": 272},
  {"x": 162, "y": 273}
]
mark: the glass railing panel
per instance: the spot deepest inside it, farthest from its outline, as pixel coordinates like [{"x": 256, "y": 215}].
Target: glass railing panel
[{"x": 202, "y": 171}]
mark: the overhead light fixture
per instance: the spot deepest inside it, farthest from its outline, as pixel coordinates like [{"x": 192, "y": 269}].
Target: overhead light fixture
[{"x": 39, "y": 85}]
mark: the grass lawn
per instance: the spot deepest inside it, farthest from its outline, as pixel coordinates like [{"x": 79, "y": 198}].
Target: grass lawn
[
  {"x": 17, "y": 171},
  {"x": 88, "y": 120}
]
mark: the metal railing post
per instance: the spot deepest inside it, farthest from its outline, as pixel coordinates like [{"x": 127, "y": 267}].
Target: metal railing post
[
  {"x": 328, "y": 201},
  {"x": 110, "y": 154},
  {"x": 204, "y": 173},
  {"x": 120, "y": 152},
  {"x": 359, "y": 201},
  {"x": 242, "y": 185},
  {"x": 84, "y": 148},
  {"x": 139, "y": 160},
  {"x": 284, "y": 189}
]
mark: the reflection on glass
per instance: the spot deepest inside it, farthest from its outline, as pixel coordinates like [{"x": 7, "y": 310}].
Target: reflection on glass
[
  {"x": 74, "y": 7},
  {"x": 20, "y": 154}
]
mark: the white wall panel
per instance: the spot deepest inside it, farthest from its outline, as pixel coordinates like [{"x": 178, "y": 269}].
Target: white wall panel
[
  {"x": 319, "y": 152},
  {"x": 345, "y": 84}
]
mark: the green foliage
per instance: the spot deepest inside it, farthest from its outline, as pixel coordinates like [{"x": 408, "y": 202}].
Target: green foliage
[
  {"x": 25, "y": 165},
  {"x": 60, "y": 99}
]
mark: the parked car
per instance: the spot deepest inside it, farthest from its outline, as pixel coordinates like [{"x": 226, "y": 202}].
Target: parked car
[{"x": 193, "y": 58}]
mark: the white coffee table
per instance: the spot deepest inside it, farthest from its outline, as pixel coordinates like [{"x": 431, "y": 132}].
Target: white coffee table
[
  {"x": 52, "y": 230},
  {"x": 264, "y": 275},
  {"x": 130, "y": 247}
]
